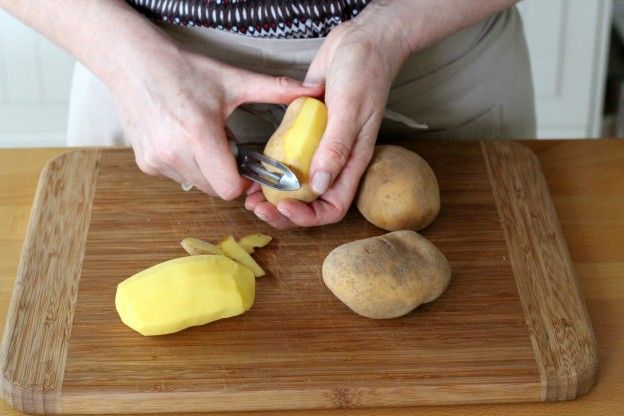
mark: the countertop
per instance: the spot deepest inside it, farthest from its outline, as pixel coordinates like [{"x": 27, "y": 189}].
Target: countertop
[{"x": 586, "y": 181}]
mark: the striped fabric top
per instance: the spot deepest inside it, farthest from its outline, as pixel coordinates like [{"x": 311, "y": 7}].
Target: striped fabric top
[{"x": 295, "y": 19}]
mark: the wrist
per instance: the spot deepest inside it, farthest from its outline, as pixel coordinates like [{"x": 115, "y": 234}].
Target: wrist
[
  {"x": 383, "y": 21},
  {"x": 135, "y": 55},
  {"x": 418, "y": 24},
  {"x": 114, "y": 41}
]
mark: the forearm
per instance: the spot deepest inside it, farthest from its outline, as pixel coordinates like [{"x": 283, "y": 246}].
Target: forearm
[
  {"x": 108, "y": 36},
  {"x": 416, "y": 24}
]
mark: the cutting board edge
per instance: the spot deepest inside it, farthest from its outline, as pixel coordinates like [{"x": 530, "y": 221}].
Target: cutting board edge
[
  {"x": 565, "y": 349},
  {"x": 296, "y": 399},
  {"x": 28, "y": 392}
]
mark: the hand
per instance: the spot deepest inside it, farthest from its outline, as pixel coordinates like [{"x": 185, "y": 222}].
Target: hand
[
  {"x": 174, "y": 113},
  {"x": 357, "y": 65}
]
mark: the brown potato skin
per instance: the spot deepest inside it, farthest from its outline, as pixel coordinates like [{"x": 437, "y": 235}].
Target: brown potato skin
[
  {"x": 387, "y": 276},
  {"x": 399, "y": 190}
]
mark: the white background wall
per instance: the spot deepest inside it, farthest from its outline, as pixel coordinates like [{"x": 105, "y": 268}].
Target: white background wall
[
  {"x": 567, "y": 42},
  {"x": 35, "y": 77}
]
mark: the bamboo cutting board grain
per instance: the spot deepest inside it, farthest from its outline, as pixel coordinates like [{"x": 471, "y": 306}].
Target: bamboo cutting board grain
[{"x": 511, "y": 327}]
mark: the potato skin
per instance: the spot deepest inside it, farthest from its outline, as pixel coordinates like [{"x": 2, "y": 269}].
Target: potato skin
[
  {"x": 399, "y": 190},
  {"x": 387, "y": 276}
]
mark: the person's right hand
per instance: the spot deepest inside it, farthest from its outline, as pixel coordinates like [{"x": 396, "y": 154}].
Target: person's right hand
[{"x": 174, "y": 111}]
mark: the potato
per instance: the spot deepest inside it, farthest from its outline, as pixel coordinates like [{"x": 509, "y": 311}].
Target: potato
[
  {"x": 294, "y": 144},
  {"x": 184, "y": 292},
  {"x": 399, "y": 190},
  {"x": 387, "y": 276}
]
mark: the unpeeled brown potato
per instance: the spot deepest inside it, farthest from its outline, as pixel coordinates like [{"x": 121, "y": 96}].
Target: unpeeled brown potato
[
  {"x": 387, "y": 276},
  {"x": 399, "y": 190}
]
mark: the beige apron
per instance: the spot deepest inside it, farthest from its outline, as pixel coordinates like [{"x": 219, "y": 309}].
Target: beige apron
[{"x": 475, "y": 84}]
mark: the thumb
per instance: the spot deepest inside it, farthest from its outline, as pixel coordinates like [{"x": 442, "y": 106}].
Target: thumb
[
  {"x": 317, "y": 69},
  {"x": 336, "y": 144},
  {"x": 334, "y": 149},
  {"x": 258, "y": 88}
]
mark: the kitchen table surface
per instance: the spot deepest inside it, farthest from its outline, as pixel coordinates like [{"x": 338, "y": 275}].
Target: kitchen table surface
[{"x": 586, "y": 181}]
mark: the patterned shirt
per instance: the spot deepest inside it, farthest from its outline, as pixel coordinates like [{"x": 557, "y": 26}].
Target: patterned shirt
[{"x": 295, "y": 19}]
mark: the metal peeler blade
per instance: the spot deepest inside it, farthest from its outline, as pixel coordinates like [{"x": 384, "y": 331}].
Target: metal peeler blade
[{"x": 250, "y": 166}]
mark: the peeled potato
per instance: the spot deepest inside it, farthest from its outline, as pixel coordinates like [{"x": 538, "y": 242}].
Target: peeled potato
[
  {"x": 294, "y": 144},
  {"x": 399, "y": 190},
  {"x": 185, "y": 292},
  {"x": 387, "y": 276}
]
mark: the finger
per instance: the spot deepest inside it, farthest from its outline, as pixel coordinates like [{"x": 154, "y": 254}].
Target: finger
[
  {"x": 193, "y": 175},
  {"x": 253, "y": 200},
  {"x": 319, "y": 212},
  {"x": 154, "y": 164},
  {"x": 334, "y": 205},
  {"x": 247, "y": 183},
  {"x": 253, "y": 87},
  {"x": 336, "y": 144},
  {"x": 142, "y": 164},
  {"x": 218, "y": 166},
  {"x": 269, "y": 214},
  {"x": 177, "y": 162},
  {"x": 318, "y": 67},
  {"x": 338, "y": 199},
  {"x": 299, "y": 213},
  {"x": 172, "y": 174},
  {"x": 255, "y": 187},
  {"x": 143, "y": 159}
]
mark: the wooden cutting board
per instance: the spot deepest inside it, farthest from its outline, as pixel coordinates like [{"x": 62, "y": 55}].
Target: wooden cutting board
[{"x": 511, "y": 327}]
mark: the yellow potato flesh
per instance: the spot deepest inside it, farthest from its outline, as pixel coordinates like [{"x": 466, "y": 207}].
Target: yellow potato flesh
[
  {"x": 232, "y": 249},
  {"x": 303, "y": 137},
  {"x": 294, "y": 144},
  {"x": 195, "y": 246},
  {"x": 185, "y": 292},
  {"x": 252, "y": 241}
]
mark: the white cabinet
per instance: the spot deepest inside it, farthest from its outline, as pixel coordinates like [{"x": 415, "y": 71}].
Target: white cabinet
[{"x": 567, "y": 43}]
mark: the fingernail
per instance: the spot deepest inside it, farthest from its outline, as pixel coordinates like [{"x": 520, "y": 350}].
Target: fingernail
[
  {"x": 308, "y": 83},
  {"x": 283, "y": 210},
  {"x": 320, "y": 182}
]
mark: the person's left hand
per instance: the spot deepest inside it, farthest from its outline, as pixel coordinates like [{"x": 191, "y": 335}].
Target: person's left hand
[{"x": 357, "y": 62}]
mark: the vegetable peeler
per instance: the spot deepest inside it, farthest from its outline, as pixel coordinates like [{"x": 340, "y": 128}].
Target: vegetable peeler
[{"x": 252, "y": 165}]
